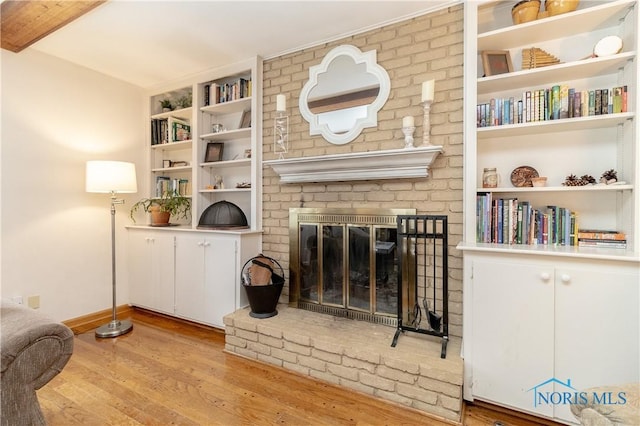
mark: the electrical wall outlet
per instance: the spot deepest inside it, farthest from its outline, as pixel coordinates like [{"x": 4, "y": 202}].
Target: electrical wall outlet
[
  {"x": 17, "y": 299},
  {"x": 33, "y": 302}
]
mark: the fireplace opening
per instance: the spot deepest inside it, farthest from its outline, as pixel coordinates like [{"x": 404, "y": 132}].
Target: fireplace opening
[{"x": 344, "y": 262}]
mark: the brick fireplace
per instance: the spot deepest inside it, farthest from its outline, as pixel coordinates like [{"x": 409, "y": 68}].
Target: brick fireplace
[
  {"x": 351, "y": 353},
  {"x": 344, "y": 275}
]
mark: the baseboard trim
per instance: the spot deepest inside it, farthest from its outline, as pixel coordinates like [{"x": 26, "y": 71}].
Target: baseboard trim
[
  {"x": 513, "y": 414},
  {"x": 88, "y": 322}
]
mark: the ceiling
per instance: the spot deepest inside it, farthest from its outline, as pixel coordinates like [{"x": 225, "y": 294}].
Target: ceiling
[
  {"x": 148, "y": 43},
  {"x": 25, "y": 22}
]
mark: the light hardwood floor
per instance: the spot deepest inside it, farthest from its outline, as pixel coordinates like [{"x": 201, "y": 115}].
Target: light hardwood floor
[{"x": 168, "y": 372}]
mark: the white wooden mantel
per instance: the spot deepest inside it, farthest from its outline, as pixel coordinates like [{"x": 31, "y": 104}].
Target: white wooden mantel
[{"x": 371, "y": 165}]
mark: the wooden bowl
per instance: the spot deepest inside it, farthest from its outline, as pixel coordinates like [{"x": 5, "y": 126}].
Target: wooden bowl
[
  {"x": 558, "y": 7},
  {"x": 525, "y": 11}
]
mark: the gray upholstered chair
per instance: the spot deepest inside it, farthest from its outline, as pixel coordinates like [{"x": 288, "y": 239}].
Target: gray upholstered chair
[{"x": 34, "y": 349}]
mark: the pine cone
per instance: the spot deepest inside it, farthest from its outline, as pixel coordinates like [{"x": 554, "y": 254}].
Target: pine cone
[
  {"x": 587, "y": 179},
  {"x": 610, "y": 176},
  {"x": 572, "y": 180}
]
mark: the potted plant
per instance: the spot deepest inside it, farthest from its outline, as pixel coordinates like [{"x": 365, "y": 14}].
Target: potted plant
[
  {"x": 170, "y": 204},
  {"x": 166, "y": 106},
  {"x": 184, "y": 101}
]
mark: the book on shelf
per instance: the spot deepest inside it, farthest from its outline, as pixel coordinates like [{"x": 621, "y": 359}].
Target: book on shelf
[
  {"x": 512, "y": 221},
  {"x": 207, "y": 94},
  {"x": 586, "y": 242},
  {"x": 180, "y": 130},
  {"x": 600, "y": 234},
  {"x": 167, "y": 185},
  {"x": 231, "y": 91},
  {"x": 556, "y": 102},
  {"x": 159, "y": 131}
]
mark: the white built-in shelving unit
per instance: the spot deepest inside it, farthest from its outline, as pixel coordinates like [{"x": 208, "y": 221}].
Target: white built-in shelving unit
[
  {"x": 556, "y": 148},
  {"x": 537, "y": 312},
  {"x": 183, "y": 270}
]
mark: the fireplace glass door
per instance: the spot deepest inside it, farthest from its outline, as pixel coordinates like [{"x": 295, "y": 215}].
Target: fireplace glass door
[{"x": 350, "y": 267}]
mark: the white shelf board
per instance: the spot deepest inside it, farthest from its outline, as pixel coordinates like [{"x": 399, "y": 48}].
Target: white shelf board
[
  {"x": 586, "y": 188},
  {"x": 555, "y": 27},
  {"x": 184, "y": 113},
  {"x": 243, "y": 104},
  {"x": 228, "y": 134},
  {"x": 554, "y": 74},
  {"x": 171, "y": 169},
  {"x": 204, "y": 191},
  {"x": 554, "y": 126},
  {"x": 173, "y": 146},
  {"x": 228, "y": 163},
  {"x": 554, "y": 250}
]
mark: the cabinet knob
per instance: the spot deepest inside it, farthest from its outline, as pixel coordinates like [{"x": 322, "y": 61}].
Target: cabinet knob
[
  {"x": 565, "y": 278},
  {"x": 207, "y": 244},
  {"x": 545, "y": 276},
  {"x": 200, "y": 243}
]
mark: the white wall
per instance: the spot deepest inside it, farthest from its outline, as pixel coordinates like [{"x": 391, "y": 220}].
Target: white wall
[{"x": 55, "y": 236}]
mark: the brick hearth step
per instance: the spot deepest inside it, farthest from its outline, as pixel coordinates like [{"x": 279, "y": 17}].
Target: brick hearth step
[{"x": 354, "y": 354}]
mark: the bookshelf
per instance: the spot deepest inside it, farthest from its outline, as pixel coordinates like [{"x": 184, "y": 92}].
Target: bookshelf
[
  {"x": 539, "y": 299},
  {"x": 171, "y": 145},
  {"x": 584, "y": 145},
  {"x": 231, "y": 97},
  {"x": 231, "y": 102},
  {"x": 181, "y": 270}
]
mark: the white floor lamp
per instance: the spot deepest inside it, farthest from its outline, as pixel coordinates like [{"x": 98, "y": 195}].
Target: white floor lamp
[{"x": 112, "y": 177}]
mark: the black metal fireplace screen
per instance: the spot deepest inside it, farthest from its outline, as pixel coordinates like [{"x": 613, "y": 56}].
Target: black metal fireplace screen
[{"x": 423, "y": 277}]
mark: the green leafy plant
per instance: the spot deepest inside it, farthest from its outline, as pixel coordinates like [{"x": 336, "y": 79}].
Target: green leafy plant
[
  {"x": 176, "y": 205},
  {"x": 184, "y": 101},
  {"x": 166, "y": 103}
]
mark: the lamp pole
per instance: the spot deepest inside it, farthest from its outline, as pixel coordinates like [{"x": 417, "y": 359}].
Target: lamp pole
[{"x": 115, "y": 327}]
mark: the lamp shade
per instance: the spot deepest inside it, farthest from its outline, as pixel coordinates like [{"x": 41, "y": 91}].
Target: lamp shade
[{"x": 111, "y": 176}]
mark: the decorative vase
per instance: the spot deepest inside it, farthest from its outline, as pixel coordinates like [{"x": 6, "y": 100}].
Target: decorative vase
[{"x": 490, "y": 178}]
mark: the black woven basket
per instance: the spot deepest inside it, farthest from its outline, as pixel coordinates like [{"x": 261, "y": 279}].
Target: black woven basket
[{"x": 263, "y": 299}]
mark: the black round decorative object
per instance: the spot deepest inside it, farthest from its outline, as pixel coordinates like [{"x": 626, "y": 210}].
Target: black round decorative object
[
  {"x": 263, "y": 297},
  {"x": 223, "y": 215}
]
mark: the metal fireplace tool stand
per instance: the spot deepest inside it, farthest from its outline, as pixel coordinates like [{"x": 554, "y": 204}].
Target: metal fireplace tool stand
[{"x": 422, "y": 240}]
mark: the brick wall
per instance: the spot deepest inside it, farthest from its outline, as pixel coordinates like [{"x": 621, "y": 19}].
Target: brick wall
[{"x": 412, "y": 51}]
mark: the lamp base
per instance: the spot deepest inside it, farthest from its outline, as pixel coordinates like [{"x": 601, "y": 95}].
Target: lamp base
[{"x": 114, "y": 328}]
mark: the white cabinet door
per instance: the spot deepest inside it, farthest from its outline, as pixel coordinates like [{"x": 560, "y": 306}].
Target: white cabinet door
[
  {"x": 190, "y": 272},
  {"x": 151, "y": 270},
  {"x": 597, "y": 328},
  {"x": 512, "y": 332},
  {"x": 206, "y": 271},
  {"x": 221, "y": 278}
]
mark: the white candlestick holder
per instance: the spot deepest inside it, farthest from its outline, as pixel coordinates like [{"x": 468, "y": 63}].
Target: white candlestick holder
[
  {"x": 281, "y": 134},
  {"x": 408, "y": 136},
  {"x": 426, "y": 124}
]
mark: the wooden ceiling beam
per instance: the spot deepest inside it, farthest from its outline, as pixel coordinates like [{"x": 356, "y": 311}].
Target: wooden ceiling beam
[{"x": 22, "y": 23}]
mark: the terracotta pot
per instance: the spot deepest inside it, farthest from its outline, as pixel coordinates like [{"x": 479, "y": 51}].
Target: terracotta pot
[{"x": 158, "y": 217}]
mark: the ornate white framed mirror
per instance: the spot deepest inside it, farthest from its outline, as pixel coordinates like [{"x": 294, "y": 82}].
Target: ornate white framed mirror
[{"x": 344, "y": 94}]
